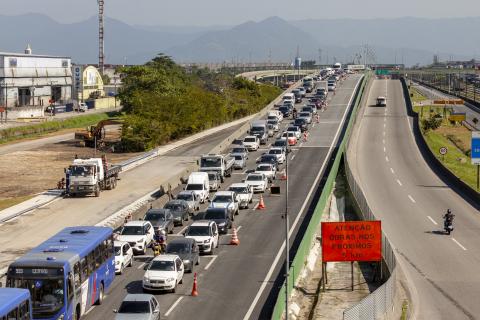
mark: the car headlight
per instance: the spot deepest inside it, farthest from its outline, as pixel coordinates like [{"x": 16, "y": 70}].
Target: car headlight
[
  {"x": 145, "y": 279},
  {"x": 221, "y": 224},
  {"x": 186, "y": 261},
  {"x": 170, "y": 279},
  {"x": 206, "y": 241},
  {"x": 61, "y": 317},
  {"x": 140, "y": 241}
]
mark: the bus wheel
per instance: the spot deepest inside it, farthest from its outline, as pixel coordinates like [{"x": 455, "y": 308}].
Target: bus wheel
[
  {"x": 100, "y": 295},
  {"x": 76, "y": 315}
]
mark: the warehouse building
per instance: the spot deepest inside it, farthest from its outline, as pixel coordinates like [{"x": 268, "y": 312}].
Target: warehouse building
[{"x": 29, "y": 82}]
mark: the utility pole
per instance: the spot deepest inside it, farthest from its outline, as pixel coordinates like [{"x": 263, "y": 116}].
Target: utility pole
[
  {"x": 101, "y": 56},
  {"x": 287, "y": 242},
  {"x": 319, "y": 57}
]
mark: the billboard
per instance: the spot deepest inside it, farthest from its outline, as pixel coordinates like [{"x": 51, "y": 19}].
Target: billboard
[
  {"x": 475, "y": 147},
  {"x": 352, "y": 241},
  {"x": 356, "y": 67}
]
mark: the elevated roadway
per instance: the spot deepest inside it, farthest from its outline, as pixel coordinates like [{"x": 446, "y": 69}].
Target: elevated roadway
[
  {"x": 410, "y": 199},
  {"x": 241, "y": 282}
]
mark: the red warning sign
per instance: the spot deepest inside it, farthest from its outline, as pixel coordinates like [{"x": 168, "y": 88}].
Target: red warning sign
[{"x": 352, "y": 241}]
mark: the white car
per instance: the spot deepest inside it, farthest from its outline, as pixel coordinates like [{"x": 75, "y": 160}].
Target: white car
[
  {"x": 296, "y": 130},
  {"x": 139, "y": 234},
  {"x": 123, "y": 256},
  {"x": 81, "y": 107},
  {"x": 225, "y": 199},
  {"x": 252, "y": 143},
  {"x": 305, "y": 115},
  {"x": 164, "y": 272},
  {"x": 244, "y": 193},
  {"x": 267, "y": 169},
  {"x": 258, "y": 181},
  {"x": 279, "y": 153},
  {"x": 205, "y": 234}
]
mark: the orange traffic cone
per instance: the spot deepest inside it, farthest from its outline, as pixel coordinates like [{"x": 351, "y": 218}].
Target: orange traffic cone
[
  {"x": 284, "y": 175},
  {"x": 261, "y": 204},
  {"x": 194, "y": 289},
  {"x": 235, "y": 241}
]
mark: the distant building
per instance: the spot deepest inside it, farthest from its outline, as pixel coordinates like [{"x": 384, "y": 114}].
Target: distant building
[
  {"x": 87, "y": 83},
  {"x": 31, "y": 80}
]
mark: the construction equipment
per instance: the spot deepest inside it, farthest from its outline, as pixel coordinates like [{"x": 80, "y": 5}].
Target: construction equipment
[{"x": 107, "y": 132}]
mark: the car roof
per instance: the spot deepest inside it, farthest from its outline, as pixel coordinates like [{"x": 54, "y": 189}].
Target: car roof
[
  {"x": 265, "y": 165},
  {"x": 201, "y": 223},
  {"x": 276, "y": 148},
  {"x": 181, "y": 240},
  {"x": 165, "y": 257},
  {"x": 237, "y": 185},
  {"x": 249, "y": 137},
  {"x": 157, "y": 210},
  {"x": 135, "y": 223},
  {"x": 255, "y": 174},
  {"x": 224, "y": 193},
  {"x": 175, "y": 201},
  {"x": 189, "y": 192},
  {"x": 138, "y": 297}
]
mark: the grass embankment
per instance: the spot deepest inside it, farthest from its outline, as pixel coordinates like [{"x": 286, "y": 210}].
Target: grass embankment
[
  {"x": 416, "y": 96},
  {"x": 44, "y": 128},
  {"x": 10, "y": 202},
  {"x": 455, "y": 137}
]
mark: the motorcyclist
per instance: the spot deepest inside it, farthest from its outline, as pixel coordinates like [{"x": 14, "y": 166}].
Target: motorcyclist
[
  {"x": 294, "y": 113},
  {"x": 448, "y": 220},
  {"x": 160, "y": 243}
]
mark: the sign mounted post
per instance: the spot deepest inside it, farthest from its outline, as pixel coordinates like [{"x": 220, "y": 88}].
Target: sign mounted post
[
  {"x": 475, "y": 154},
  {"x": 443, "y": 151},
  {"x": 351, "y": 241}
]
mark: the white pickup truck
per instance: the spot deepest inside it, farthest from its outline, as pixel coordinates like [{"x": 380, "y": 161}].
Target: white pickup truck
[{"x": 223, "y": 164}]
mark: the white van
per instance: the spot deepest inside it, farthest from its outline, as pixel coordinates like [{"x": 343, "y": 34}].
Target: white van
[
  {"x": 198, "y": 182},
  {"x": 289, "y": 97}
]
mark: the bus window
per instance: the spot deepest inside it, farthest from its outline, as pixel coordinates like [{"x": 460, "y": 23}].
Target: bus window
[
  {"x": 76, "y": 275},
  {"x": 84, "y": 266}
]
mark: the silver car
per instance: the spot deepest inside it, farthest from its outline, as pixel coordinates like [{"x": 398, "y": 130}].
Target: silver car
[
  {"x": 305, "y": 115},
  {"x": 214, "y": 180},
  {"x": 192, "y": 199},
  {"x": 240, "y": 161},
  {"x": 138, "y": 307}
]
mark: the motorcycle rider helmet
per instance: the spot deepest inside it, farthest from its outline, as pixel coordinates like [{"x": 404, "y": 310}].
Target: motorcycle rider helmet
[{"x": 449, "y": 211}]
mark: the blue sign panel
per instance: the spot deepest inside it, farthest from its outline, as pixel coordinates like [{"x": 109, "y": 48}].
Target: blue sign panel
[{"x": 476, "y": 147}]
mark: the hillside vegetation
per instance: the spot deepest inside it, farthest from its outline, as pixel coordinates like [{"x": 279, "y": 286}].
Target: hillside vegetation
[{"x": 164, "y": 102}]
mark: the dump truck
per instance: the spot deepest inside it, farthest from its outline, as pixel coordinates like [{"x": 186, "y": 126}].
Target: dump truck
[
  {"x": 223, "y": 164},
  {"x": 106, "y": 133},
  {"x": 90, "y": 176}
]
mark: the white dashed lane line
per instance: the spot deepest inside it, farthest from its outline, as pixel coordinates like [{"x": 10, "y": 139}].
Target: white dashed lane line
[
  {"x": 399, "y": 182},
  {"x": 411, "y": 198},
  {"x": 393, "y": 171},
  {"x": 211, "y": 262},
  {"x": 173, "y": 306},
  {"x": 459, "y": 244},
  {"x": 433, "y": 221},
  {"x": 386, "y": 159}
]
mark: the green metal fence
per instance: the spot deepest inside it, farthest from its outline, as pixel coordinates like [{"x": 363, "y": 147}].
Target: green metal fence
[{"x": 304, "y": 248}]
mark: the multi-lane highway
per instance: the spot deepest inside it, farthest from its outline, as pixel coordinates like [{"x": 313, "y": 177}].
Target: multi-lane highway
[
  {"x": 410, "y": 200},
  {"x": 237, "y": 281}
]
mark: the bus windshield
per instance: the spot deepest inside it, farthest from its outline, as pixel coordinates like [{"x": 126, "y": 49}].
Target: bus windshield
[{"x": 47, "y": 294}]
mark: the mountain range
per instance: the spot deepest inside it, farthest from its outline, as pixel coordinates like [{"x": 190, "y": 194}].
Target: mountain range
[{"x": 408, "y": 40}]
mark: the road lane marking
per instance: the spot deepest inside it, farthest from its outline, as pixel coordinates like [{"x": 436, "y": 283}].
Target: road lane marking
[
  {"x": 297, "y": 219},
  {"x": 141, "y": 265},
  {"x": 293, "y": 157},
  {"x": 210, "y": 263},
  {"x": 384, "y": 149},
  {"x": 399, "y": 182},
  {"x": 386, "y": 159},
  {"x": 411, "y": 199},
  {"x": 384, "y": 125},
  {"x": 384, "y": 133},
  {"x": 433, "y": 221},
  {"x": 173, "y": 306},
  {"x": 391, "y": 169},
  {"x": 313, "y": 125},
  {"x": 383, "y": 141},
  {"x": 300, "y": 144},
  {"x": 180, "y": 233},
  {"x": 459, "y": 244}
]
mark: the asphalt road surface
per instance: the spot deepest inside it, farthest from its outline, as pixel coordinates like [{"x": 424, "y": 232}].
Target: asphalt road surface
[
  {"x": 410, "y": 200},
  {"x": 236, "y": 282}
]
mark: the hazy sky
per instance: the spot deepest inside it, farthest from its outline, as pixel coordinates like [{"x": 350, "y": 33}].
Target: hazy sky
[{"x": 229, "y": 12}]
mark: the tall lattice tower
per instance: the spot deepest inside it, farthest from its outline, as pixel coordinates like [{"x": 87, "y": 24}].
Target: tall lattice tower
[{"x": 101, "y": 56}]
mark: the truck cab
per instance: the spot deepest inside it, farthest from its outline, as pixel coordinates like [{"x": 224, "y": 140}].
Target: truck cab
[
  {"x": 381, "y": 101},
  {"x": 85, "y": 176}
]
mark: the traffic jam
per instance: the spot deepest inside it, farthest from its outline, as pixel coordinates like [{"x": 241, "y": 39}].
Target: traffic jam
[{"x": 72, "y": 271}]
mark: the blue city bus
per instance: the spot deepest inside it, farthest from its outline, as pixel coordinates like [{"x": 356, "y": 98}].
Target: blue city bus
[
  {"x": 15, "y": 304},
  {"x": 66, "y": 274}
]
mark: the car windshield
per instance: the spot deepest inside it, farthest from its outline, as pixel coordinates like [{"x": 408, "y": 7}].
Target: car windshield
[
  {"x": 134, "y": 307},
  {"x": 292, "y": 129},
  {"x": 264, "y": 168},
  {"x": 222, "y": 199},
  {"x": 81, "y": 171},
  {"x": 175, "y": 207},
  {"x": 132, "y": 231},
  {"x": 155, "y": 216},
  {"x": 161, "y": 265},
  {"x": 210, "y": 162},
  {"x": 250, "y": 139},
  {"x": 254, "y": 177},
  {"x": 275, "y": 151},
  {"x": 238, "y": 189},
  {"x": 238, "y": 150},
  {"x": 194, "y": 186},
  {"x": 47, "y": 295},
  {"x": 185, "y": 196},
  {"x": 198, "y": 231},
  {"x": 214, "y": 214},
  {"x": 304, "y": 114},
  {"x": 118, "y": 250},
  {"x": 238, "y": 157},
  {"x": 283, "y": 108},
  {"x": 281, "y": 143},
  {"x": 177, "y": 247}
]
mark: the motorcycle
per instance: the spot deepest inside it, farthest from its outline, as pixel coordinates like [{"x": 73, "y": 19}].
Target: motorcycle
[{"x": 448, "y": 226}]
